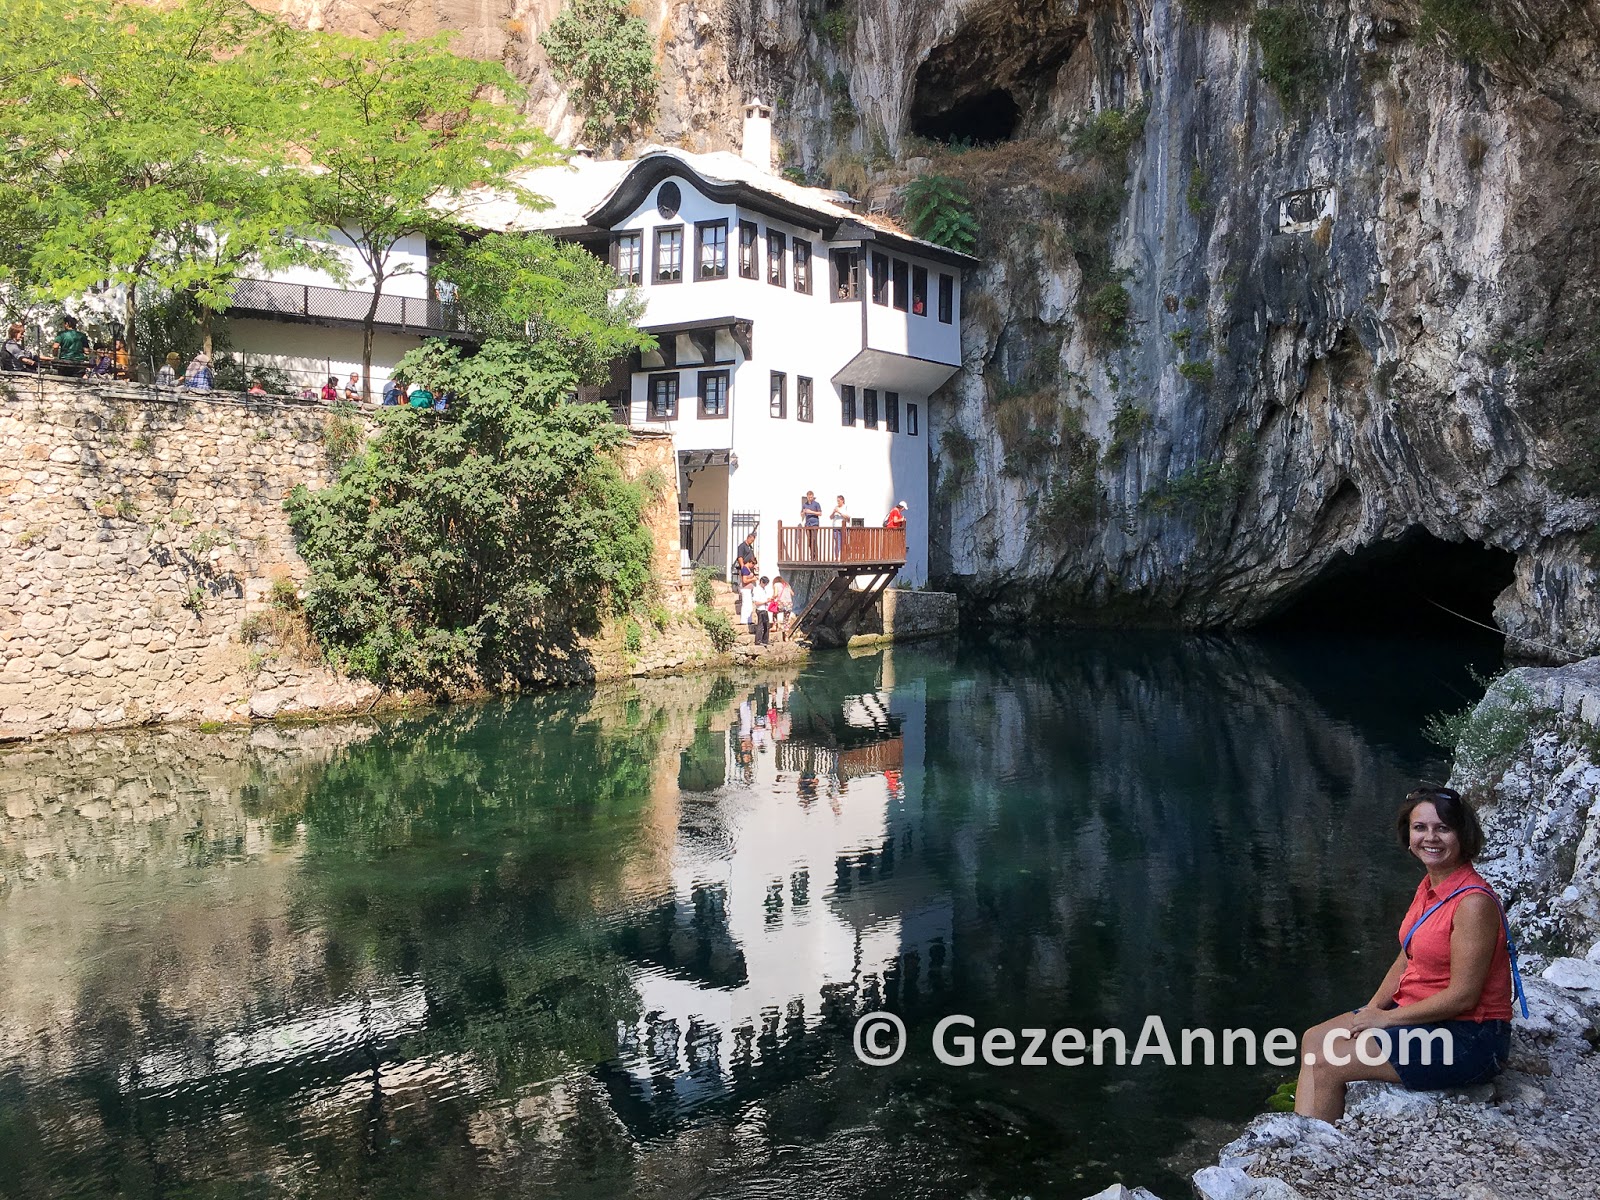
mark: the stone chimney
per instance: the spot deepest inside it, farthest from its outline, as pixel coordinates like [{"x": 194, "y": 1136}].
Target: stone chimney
[{"x": 757, "y": 147}]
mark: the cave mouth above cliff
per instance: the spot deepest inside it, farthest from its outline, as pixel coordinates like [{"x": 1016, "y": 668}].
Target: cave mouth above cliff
[
  {"x": 1403, "y": 586},
  {"x": 979, "y": 120}
]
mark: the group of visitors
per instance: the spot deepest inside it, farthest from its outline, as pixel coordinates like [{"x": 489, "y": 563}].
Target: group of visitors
[
  {"x": 70, "y": 355},
  {"x": 764, "y": 601},
  {"x": 416, "y": 395},
  {"x": 811, "y": 518}
]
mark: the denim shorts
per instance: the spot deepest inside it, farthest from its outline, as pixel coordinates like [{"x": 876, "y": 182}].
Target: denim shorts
[{"x": 1478, "y": 1049}]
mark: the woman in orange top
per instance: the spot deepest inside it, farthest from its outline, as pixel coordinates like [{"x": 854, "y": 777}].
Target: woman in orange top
[{"x": 1442, "y": 1015}]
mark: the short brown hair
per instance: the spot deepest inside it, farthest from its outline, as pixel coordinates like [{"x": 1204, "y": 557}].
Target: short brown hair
[{"x": 1455, "y": 812}]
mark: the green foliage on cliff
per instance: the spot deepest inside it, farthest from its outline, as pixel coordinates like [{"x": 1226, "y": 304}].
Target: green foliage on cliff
[
  {"x": 1290, "y": 61},
  {"x": 1488, "y": 733},
  {"x": 1128, "y": 425},
  {"x": 1470, "y": 26},
  {"x": 604, "y": 57},
  {"x": 1105, "y": 312},
  {"x": 1110, "y": 133},
  {"x": 940, "y": 210}
]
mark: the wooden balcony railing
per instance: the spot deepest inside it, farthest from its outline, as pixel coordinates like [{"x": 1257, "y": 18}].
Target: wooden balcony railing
[{"x": 823, "y": 546}]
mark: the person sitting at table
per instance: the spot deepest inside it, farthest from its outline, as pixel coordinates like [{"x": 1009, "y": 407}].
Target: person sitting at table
[
  {"x": 330, "y": 390},
  {"x": 167, "y": 377},
  {"x": 256, "y": 388},
  {"x": 392, "y": 392},
  {"x": 352, "y": 389},
  {"x": 70, "y": 349},
  {"x": 119, "y": 357},
  {"x": 15, "y": 356},
  {"x": 197, "y": 375},
  {"x": 104, "y": 365},
  {"x": 420, "y": 397}
]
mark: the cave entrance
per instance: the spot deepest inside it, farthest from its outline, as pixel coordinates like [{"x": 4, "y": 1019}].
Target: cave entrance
[
  {"x": 1399, "y": 586},
  {"x": 979, "y": 119}
]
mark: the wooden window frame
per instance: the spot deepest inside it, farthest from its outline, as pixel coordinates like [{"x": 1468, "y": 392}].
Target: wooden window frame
[
  {"x": 650, "y": 411},
  {"x": 847, "y": 404},
  {"x": 900, "y": 285},
  {"x": 778, "y": 395},
  {"x": 777, "y": 255},
  {"x": 947, "y": 299},
  {"x": 616, "y": 255},
  {"x": 655, "y": 256},
  {"x": 879, "y": 265},
  {"x": 802, "y": 265},
  {"x": 727, "y": 395},
  {"x": 805, "y": 408},
  {"x": 752, "y": 270},
  {"x": 869, "y": 408},
  {"x": 844, "y": 271},
  {"x": 891, "y": 411},
  {"x": 919, "y": 291},
  {"x": 700, "y": 230}
]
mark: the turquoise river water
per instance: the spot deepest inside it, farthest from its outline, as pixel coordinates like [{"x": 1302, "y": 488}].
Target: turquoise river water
[{"x": 615, "y": 943}]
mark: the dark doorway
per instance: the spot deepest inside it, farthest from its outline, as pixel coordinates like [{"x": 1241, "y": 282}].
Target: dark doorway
[
  {"x": 1403, "y": 586},
  {"x": 980, "y": 120}
]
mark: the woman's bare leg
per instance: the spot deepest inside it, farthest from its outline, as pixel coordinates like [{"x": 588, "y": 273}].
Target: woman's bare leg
[{"x": 1319, "y": 1092}]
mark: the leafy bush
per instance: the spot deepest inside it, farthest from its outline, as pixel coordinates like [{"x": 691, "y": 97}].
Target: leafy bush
[
  {"x": 1198, "y": 370},
  {"x": 1488, "y": 733},
  {"x": 1106, "y": 312},
  {"x": 718, "y": 628},
  {"x": 1128, "y": 425},
  {"x": 465, "y": 546},
  {"x": 837, "y": 24},
  {"x": 632, "y": 636},
  {"x": 940, "y": 211},
  {"x": 1289, "y": 58},
  {"x": 604, "y": 57},
  {"x": 1195, "y": 195},
  {"x": 1110, "y": 133},
  {"x": 1203, "y": 493},
  {"x": 704, "y": 580},
  {"x": 342, "y": 433}
]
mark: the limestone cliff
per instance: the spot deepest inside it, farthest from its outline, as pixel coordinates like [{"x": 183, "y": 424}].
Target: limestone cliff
[{"x": 1355, "y": 242}]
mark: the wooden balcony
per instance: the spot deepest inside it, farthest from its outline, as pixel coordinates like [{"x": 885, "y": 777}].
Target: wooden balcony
[{"x": 826, "y": 548}]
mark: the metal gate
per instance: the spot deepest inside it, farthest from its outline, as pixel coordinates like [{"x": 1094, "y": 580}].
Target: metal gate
[
  {"x": 745, "y": 523},
  {"x": 700, "y": 533}
]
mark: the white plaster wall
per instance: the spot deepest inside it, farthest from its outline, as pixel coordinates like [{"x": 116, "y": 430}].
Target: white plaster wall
[
  {"x": 409, "y": 258},
  {"x": 800, "y": 335},
  {"x": 918, "y": 336},
  {"x": 313, "y": 352}
]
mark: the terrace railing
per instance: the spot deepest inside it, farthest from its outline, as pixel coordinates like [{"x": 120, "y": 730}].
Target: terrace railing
[
  {"x": 824, "y": 546},
  {"x": 410, "y": 313}
]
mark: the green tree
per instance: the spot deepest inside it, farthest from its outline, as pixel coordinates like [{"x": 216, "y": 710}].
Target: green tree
[
  {"x": 145, "y": 147},
  {"x": 556, "y": 294},
  {"x": 603, "y": 56},
  {"x": 397, "y": 132},
  {"x": 941, "y": 211}
]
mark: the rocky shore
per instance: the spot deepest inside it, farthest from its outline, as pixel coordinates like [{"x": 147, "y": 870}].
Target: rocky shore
[{"x": 1530, "y": 761}]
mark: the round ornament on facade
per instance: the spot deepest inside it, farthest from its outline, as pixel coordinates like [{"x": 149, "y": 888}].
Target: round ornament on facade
[{"x": 668, "y": 200}]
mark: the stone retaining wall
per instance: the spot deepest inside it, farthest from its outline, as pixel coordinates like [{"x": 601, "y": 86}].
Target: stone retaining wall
[{"x": 140, "y": 531}]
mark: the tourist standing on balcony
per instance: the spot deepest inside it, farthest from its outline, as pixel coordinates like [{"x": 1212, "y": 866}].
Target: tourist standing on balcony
[
  {"x": 840, "y": 517},
  {"x": 70, "y": 349},
  {"x": 811, "y": 518},
  {"x": 897, "y": 517},
  {"x": 197, "y": 375}
]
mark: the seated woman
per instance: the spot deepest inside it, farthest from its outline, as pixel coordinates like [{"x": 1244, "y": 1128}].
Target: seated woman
[{"x": 1452, "y": 978}]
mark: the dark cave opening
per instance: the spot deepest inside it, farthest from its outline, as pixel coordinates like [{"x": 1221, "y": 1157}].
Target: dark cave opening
[
  {"x": 980, "y": 119},
  {"x": 1403, "y": 586}
]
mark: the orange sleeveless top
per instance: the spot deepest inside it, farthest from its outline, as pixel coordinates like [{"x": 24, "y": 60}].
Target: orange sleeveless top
[{"x": 1428, "y": 970}]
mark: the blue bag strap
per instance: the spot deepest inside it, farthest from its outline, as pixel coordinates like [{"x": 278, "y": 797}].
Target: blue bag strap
[{"x": 1505, "y": 925}]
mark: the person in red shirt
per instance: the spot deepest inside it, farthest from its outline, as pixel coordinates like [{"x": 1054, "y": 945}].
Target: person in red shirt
[
  {"x": 897, "y": 517},
  {"x": 1451, "y": 983}
]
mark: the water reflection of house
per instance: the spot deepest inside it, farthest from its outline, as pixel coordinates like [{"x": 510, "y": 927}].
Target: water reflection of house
[{"x": 796, "y": 900}]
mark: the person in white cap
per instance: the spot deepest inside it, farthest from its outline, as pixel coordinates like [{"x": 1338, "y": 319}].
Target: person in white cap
[{"x": 897, "y": 516}]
